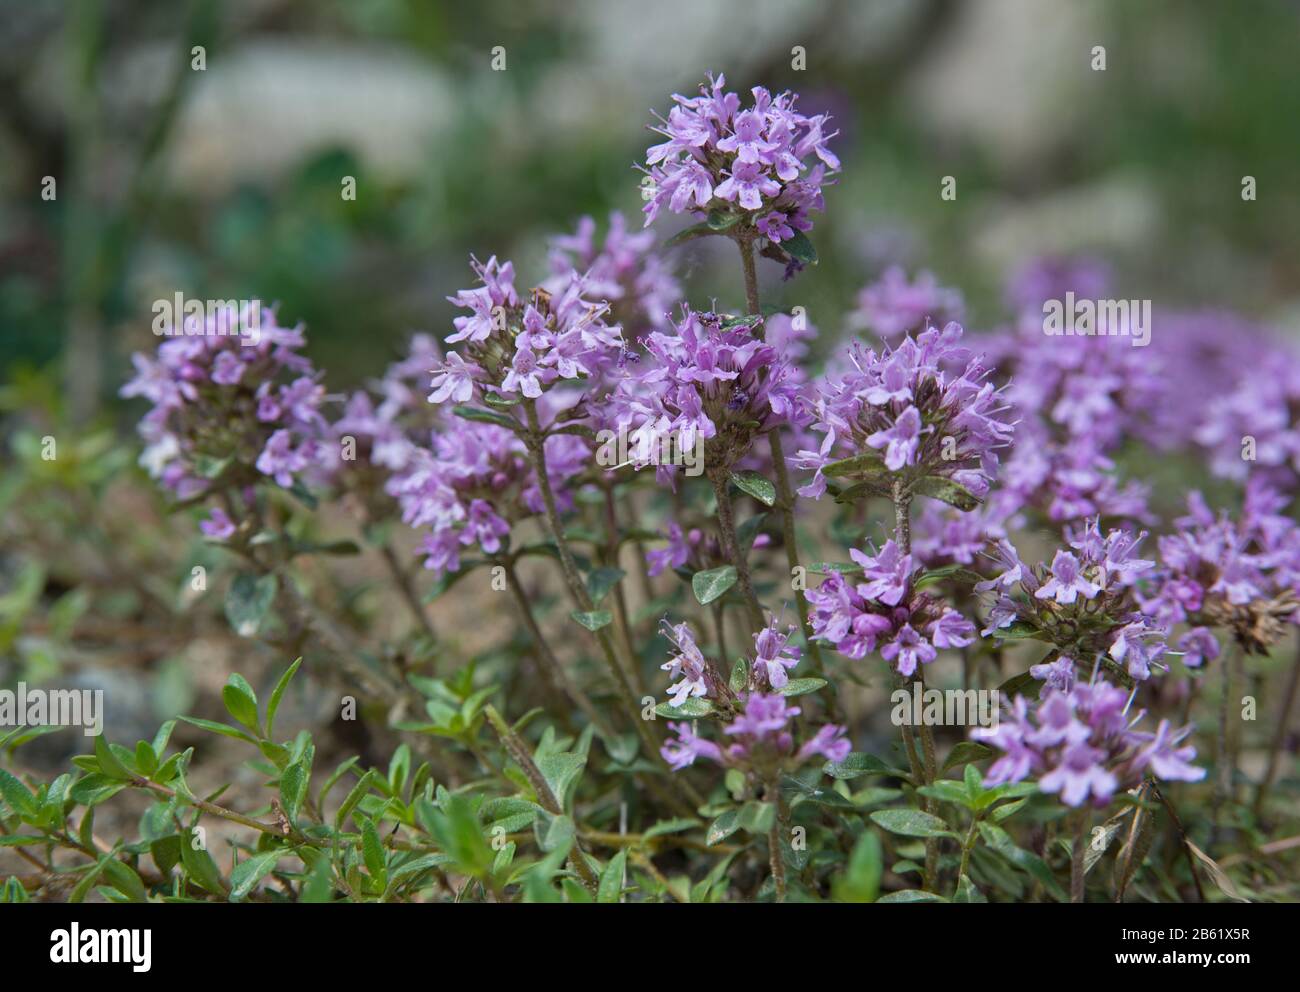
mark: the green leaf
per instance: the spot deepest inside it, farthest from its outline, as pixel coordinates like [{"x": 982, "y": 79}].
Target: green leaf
[
  {"x": 611, "y": 879},
  {"x": 593, "y": 620},
  {"x": 689, "y": 710},
  {"x": 965, "y": 752},
  {"x": 601, "y": 581},
  {"x": 911, "y": 895},
  {"x": 739, "y": 675},
  {"x": 861, "y": 880},
  {"x": 458, "y": 832},
  {"x": 1000, "y": 841},
  {"x": 248, "y": 600},
  {"x": 863, "y": 464},
  {"x": 947, "y": 491},
  {"x": 946, "y": 791},
  {"x": 755, "y": 485},
  {"x": 486, "y": 417},
  {"x": 801, "y": 687},
  {"x": 561, "y": 772},
  {"x": 353, "y": 797},
  {"x": 690, "y": 234},
  {"x": 1023, "y": 684},
  {"x": 749, "y": 530},
  {"x": 800, "y": 248},
  {"x": 676, "y": 825},
  {"x": 911, "y": 823},
  {"x": 109, "y": 763},
  {"x": 18, "y": 797},
  {"x": 936, "y": 575},
  {"x": 858, "y": 764},
  {"x": 220, "y": 728},
  {"x": 250, "y": 871},
  {"x": 293, "y": 789},
  {"x": 95, "y": 789},
  {"x": 319, "y": 885},
  {"x": 967, "y": 892},
  {"x": 277, "y": 694},
  {"x": 91, "y": 876},
  {"x": 373, "y": 853},
  {"x": 721, "y": 220},
  {"x": 240, "y": 700},
  {"x": 839, "y": 567},
  {"x": 1018, "y": 630},
  {"x": 145, "y": 760},
  {"x": 712, "y": 583},
  {"x": 756, "y": 817},
  {"x": 723, "y": 827},
  {"x": 200, "y": 867}
]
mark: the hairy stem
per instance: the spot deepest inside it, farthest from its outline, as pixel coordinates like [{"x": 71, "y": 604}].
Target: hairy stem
[
  {"x": 535, "y": 442},
  {"x": 775, "y": 858},
  {"x": 731, "y": 548},
  {"x": 518, "y": 750},
  {"x": 546, "y": 655},
  {"x": 903, "y": 537},
  {"x": 402, "y": 579},
  {"x": 785, "y": 495}
]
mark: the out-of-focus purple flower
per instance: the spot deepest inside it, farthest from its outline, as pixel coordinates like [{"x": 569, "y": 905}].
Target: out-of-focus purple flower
[
  {"x": 688, "y": 747},
  {"x": 1165, "y": 758},
  {"x": 218, "y": 525},
  {"x": 687, "y": 666},
  {"x": 1198, "y": 646},
  {"x": 1058, "y": 674},
  {"x": 830, "y": 742},
  {"x": 625, "y": 271},
  {"x": 203, "y": 380},
  {"x": 774, "y": 654},
  {"x": 892, "y": 305},
  {"x": 280, "y": 459}
]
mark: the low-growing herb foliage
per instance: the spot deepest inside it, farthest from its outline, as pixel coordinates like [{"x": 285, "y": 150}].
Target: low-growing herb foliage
[{"x": 719, "y": 568}]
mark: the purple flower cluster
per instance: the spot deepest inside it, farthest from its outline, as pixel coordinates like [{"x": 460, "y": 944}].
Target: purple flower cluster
[
  {"x": 768, "y": 160},
  {"x": 884, "y": 611},
  {"x": 234, "y": 402},
  {"x": 760, "y": 715},
  {"x": 473, "y": 483},
  {"x": 710, "y": 379},
  {"x": 1242, "y": 575},
  {"x": 924, "y": 406},
  {"x": 760, "y": 736},
  {"x": 515, "y": 348},
  {"x": 1084, "y": 601},
  {"x": 1079, "y": 743}
]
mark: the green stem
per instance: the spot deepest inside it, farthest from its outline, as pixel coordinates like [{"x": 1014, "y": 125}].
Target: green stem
[
  {"x": 546, "y": 655},
  {"x": 967, "y": 846},
  {"x": 903, "y": 537},
  {"x": 516, "y": 748},
  {"x": 785, "y": 495},
  {"x": 731, "y": 548},
  {"x": 535, "y": 442}
]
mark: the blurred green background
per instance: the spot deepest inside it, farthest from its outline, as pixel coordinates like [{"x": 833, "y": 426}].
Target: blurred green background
[{"x": 225, "y": 182}]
